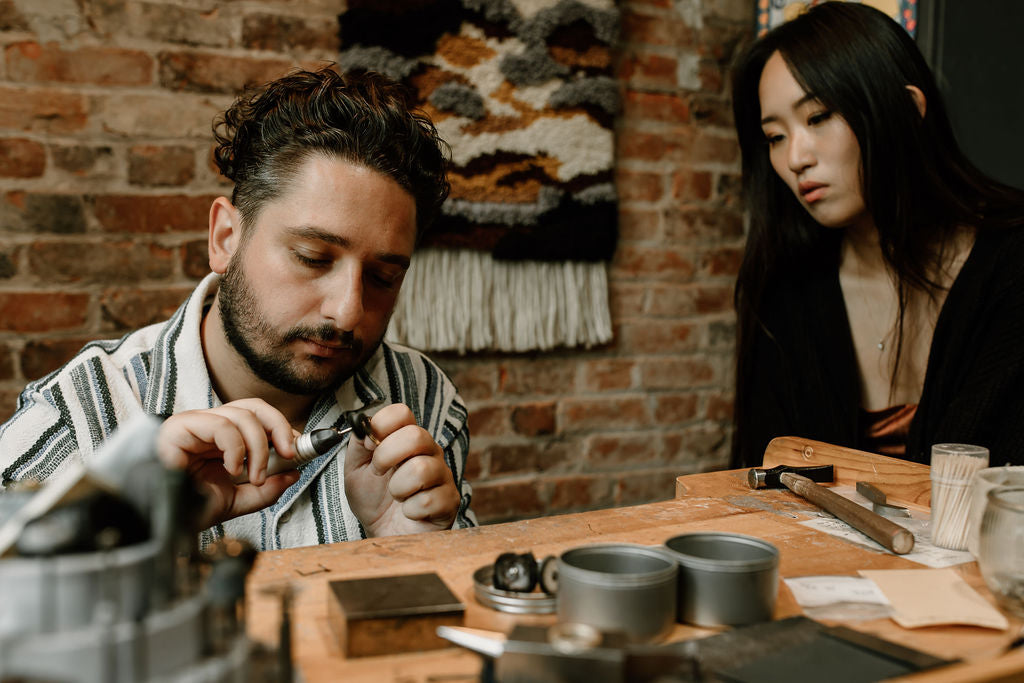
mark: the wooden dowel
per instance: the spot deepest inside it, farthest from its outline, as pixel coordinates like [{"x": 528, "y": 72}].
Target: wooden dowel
[{"x": 888, "y": 533}]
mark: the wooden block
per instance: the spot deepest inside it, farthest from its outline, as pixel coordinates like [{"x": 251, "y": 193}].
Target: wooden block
[{"x": 391, "y": 614}]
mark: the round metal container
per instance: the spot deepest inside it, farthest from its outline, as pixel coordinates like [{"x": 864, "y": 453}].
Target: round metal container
[
  {"x": 618, "y": 587},
  {"x": 725, "y": 579},
  {"x": 514, "y": 602}
]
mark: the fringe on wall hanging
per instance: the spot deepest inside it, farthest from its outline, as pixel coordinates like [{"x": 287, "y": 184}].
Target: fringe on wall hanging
[
  {"x": 523, "y": 92},
  {"x": 463, "y": 300}
]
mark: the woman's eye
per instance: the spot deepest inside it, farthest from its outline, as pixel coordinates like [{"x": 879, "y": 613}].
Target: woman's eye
[
  {"x": 820, "y": 117},
  {"x": 772, "y": 139}
]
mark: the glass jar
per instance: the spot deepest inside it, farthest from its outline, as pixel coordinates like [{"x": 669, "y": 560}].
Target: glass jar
[{"x": 1001, "y": 547}]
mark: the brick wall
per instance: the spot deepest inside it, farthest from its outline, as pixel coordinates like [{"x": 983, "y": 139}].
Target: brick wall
[{"x": 106, "y": 179}]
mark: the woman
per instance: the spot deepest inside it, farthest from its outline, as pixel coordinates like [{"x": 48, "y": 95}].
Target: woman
[{"x": 881, "y": 296}]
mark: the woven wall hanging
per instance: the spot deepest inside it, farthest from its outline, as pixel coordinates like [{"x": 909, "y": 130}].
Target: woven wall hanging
[{"x": 523, "y": 92}]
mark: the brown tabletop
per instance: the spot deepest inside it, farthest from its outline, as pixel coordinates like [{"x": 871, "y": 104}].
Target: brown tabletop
[{"x": 714, "y": 501}]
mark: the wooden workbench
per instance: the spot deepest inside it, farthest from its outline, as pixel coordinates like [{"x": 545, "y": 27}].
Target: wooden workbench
[{"x": 713, "y": 501}]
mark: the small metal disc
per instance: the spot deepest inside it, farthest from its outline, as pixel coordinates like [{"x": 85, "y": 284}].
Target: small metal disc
[{"x": 513, "y": 602}]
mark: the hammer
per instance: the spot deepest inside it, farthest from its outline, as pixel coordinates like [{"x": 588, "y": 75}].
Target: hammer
[{"x": 885, "y": 531}]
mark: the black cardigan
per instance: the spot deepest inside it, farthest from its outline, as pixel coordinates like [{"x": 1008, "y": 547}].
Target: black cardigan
[{"x": 805, "y": 383}]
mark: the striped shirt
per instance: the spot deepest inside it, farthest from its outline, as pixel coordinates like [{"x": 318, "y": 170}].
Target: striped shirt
[{"x": 161, "y": 370}]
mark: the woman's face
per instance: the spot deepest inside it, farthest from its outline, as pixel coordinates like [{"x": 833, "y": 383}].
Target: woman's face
[{"x": 812, "y": 149}]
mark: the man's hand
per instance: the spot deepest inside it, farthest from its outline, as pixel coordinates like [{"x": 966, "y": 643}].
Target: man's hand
[
  {"x": 214, "y": 445},
  {"x": 403, "y": 485}
]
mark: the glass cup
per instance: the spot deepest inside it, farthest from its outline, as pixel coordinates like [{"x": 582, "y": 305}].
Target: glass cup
[
  {"x": 952, "y": 466},
  {"x": 1001, "y": 547}
]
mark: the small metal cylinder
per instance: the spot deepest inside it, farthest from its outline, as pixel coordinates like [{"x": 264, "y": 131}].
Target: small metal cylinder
[
  {"x": 618, "y": 587},
  {"x": 725, "y": 579}
]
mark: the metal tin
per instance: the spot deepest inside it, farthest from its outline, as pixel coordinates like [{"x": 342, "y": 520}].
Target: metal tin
[
  {"x": 513, "y": 602},
  {"x": 725, "y": 579},
  {"x": 618, "y": 587}
]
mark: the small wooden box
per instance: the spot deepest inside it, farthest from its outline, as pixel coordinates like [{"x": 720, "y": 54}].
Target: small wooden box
[{"x": 391, "y": 614}]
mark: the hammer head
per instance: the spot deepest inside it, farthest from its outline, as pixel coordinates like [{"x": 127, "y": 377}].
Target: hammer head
[{"x": 761, "y": 478}]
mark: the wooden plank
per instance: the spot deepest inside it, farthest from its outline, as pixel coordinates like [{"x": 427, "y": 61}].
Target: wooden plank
[
  {"x": 455, "y": 555},
  {"x": 902, "y": 481}
]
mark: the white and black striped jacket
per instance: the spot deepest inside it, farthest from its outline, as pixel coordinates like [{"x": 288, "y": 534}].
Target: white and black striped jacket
[{"x": 161, "y": 370}]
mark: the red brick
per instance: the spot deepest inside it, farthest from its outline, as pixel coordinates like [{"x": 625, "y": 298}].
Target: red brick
[
  {"x": 44, "y": 213},
  {"x": 42, "y": 311},
  {"x": 499, "y": 502},
  {"x": 195, "y": 259},
  {"x": 645, "y": 487},
  {"x": 714, "y": 148},
  {"x": 724, "y": 261},
  {"x": 152, "y": 214},
  {"x": 714, "y": 299},
  {"x": 657, "y": 336},
  {"x": 42, "y": 111},
  {"x": 198, "y": 72},
  {"x": 649, "y": 71},
  {"x": 492, "y": 420},
  {"x": 689, "y": 184},
  {"x": 672, "y": 300},
  {"x": 40, "y": 358},
  {"x": 676, "y": 372},
  {"x": 82, "y": 160},
  {"x": 655, "y": 29},
  {"x": 10, "y": 18},
  {"x": 476, "y": 381},
  {"x": 631, "y": 261},
  {"x": 620, "y": 451},
  {"x": 8, "y": 402},
  {"x": 675, "y": 408},
  {"x": 626, "y": 299},
  {"x": 608, "y": 374},
  {"x": 638, "y": 186},
  {"x": 9, "y": 263},
  {"x": 603, "y": 413},
  {"x": 129, "y": 309},
  {"x": 107, "y": 262},
  {"x": 698, "y": 446},
  {"x": 6, "y": 362},
  {"x": 175, "y": 115},
  {"x": 712, "y": 110},
  {"x": 653, "y": 146},
  {"x": 183, "y": 23},
  {"x": 688, "y": 225},
  {"x": 663, "y": 108},
  {"x": 638, "y": 224},
  {"x": 534, "y": 419},
  {"x": 21, "y": 158},
  {"x": 722, "y": 334},
  {"x": 528, "y": 458},
  {"x": 278, "y": 33},
  {"x": 729, "y": 189},
  {"x": 154, "y": 165},
  {"x": 711, "y": 76},
  {"x": 554, "y": 377},
  {"x": 719, "y": 407},
  {"x": 32, "y": 62},
  {"x": 476, "y": 465},
  {"x": 582, "y": 493}
]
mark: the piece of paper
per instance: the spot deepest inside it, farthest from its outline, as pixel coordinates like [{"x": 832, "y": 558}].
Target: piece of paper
[
  {"x": 816, "y": 591},
  {"x": 931, "y": 597}
]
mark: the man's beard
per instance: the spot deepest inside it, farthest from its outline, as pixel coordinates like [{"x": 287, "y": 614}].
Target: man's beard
[{"x": 266, "y": 351}]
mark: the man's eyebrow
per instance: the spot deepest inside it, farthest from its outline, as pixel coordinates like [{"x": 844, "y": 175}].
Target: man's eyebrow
[
  {"x": 809, "y": 97},
  {"x": 310, "y": 232}
]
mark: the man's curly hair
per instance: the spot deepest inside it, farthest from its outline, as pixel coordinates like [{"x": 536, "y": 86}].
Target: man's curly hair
[{"x": 361, "y": 117}]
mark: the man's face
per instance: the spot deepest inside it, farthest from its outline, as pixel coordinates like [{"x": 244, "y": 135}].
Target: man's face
[{"x": 308, "y": 294}]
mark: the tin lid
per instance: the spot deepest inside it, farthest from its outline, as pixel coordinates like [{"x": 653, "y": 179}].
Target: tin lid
[
  {"x": 617, "y": 565},
  {"x": 513, "y": 602},
  {"x": 723, "y": 552}
]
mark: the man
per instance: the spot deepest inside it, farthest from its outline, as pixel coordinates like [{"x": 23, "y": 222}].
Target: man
[{"x": 335, "y": 179}]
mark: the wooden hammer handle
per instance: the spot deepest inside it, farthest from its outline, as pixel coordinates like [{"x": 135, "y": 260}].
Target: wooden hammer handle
[{"x": 888, "y": 533}]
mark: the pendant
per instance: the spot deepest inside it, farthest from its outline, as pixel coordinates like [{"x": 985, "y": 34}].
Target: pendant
[{"x": 881, "y": 344}]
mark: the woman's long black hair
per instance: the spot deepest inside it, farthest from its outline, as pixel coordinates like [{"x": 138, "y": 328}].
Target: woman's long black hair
[{"x": 918, "y": 186}]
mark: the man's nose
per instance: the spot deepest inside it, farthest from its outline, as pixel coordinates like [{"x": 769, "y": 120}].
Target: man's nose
[{"x": 343, "y": 300}]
